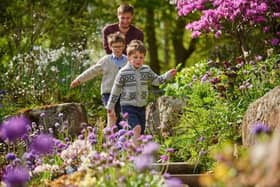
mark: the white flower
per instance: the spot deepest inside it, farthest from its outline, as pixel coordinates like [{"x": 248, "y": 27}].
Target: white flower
[{"x": 258, "y": 153}]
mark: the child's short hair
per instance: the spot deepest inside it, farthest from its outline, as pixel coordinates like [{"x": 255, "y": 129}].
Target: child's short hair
[
  {"x": 135, "y": 45},
  {"x": 125, "y": 8},
  {"x": 116, "y": 37}
]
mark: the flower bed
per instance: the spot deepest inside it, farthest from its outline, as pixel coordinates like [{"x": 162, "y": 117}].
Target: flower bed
[{"x": 94, "y": 158}]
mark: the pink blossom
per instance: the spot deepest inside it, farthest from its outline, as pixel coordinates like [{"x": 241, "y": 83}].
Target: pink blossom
[{"x": 274, "y": 41}]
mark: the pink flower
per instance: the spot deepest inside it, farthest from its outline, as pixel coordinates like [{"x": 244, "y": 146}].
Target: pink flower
[
  {"x": 274, "y": 41},
  {"x": 164, "y": 158}
]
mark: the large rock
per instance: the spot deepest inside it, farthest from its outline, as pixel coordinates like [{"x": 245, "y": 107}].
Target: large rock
[
  {"x": 71, "y": 115},
  {"x": 163, "y": 114},
  {"x": 263, "y": 167},
  {"x": 265, "y": 110}
]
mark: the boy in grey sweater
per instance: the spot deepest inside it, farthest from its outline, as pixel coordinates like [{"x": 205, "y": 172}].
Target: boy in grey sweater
[
  {"x": 108, "y": 66},
  {"x": 131, "y": 85}
]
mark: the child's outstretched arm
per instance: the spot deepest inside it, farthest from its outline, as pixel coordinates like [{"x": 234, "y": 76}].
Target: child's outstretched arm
[
  {"x": 89, "y": 73},
  {"x": 173, "y": 72},
  {"x": 160, "y": 79},
  {"x": 111, "y": 117},
  {"x": 74, "y": 83}
]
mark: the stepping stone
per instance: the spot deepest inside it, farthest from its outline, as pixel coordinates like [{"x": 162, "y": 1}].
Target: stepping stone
[
  {"x": 71, "y": 114},
  {"x": 177, "y": 167},
  {"x": 188, "y": 173}
]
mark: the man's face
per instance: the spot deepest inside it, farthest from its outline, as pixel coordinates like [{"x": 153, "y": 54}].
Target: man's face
[
  {"x": 136, "y": 59},
  {"x": 125, "y": 19}
]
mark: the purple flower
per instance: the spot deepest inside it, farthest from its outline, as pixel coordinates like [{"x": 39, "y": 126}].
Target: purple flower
[
  {"x": 266, "y": 29},
  {"x": 117, "y": 146},
  {"x": 166, "y": 175},
  {"x": 92, "y": 138},
  {"x": 150, "y": 148},
  {"x": 202, "y": 153},
  {"x": 124, "y": 124},
  {"x": 28, "y": 156},
  {"x": 81, "y": 137},
  {"x": 122, "y": 139},
  {"x": 14, "y": 128},
  {"x": 148, "y": 137},
  {"x": 173, "y": 182},
  {"x": 204, "y": 78},
  {"x": 170, "y": 150},
  {"x": 143, "y": 162},
  {"x": 260, "y": 127},
  {"x": 10, "y": 156},
  {"x": 107, "y": 131},
  {"x": 17, "y": 162},
  {"x": 42, "y": 144},
  {"x": 218, "y": 34},
  {"x": 125, "y": 115},
  {"x": 16, "y": 176},
  {"x": 201, "y": 138},
  {"x": 274, "y": 41},
  {"x": 258, "y": 58},
  {"x": 130, "y": 133},
  {"x": 121, "y": 132},
  {"x": 164, "y": 158}
]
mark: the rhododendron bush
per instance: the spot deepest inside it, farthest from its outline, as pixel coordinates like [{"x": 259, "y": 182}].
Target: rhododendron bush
[{"x": 241, "y": 19}]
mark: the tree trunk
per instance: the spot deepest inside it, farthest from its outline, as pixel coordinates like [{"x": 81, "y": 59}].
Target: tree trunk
[
  {"x": 181, "y": 53},
  {"x": 151, "y": 39},
  {"x": 166, "y": 40}
]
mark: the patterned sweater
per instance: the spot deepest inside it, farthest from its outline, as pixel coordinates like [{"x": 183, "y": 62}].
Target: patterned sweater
[
  {"x": 131, "y": 85},
  {"x": 104, "y": 66}
]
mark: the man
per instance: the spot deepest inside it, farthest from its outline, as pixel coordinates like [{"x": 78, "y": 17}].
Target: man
[{"x": 125, "y": 15}]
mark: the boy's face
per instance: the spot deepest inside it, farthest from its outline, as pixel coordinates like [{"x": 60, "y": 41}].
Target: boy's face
[
  {"x": 125, "y": 19},
  {"x": 117, "y": 48},
  {"x": 136, "y": 59}
]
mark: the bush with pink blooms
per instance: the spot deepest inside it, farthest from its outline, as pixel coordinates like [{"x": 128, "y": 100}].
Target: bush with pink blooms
[{"x": 253, "y": 25}]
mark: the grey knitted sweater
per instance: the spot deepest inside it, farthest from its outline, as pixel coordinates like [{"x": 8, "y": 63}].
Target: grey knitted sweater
[
  {"x": 104, "y": 66},
  {"x": 131, "y": 85}
]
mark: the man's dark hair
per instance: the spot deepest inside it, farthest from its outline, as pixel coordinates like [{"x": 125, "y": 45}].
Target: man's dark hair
[{"x": 125, "y": 8}]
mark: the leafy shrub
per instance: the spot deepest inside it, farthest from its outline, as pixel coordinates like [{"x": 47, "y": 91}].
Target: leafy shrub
[
  {"x": 203, "y": 124},
  {"x": 43, "y": 76},
  {"x": 217, "y": 94}
]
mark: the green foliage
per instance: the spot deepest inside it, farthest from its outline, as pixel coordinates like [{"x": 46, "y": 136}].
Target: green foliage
[
  {"x": 203, "y": 124},
  {"x": 217, "y": 96},
  {"x": 43, "y": 76},
  {"x": 183, "y": 81}
]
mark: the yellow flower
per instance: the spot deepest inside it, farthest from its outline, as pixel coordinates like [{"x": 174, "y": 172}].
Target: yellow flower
[
  {"x": 206, "y": 180},
  {"x": 88, "y": 180},
  {"x": 221, "y": 172}
]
